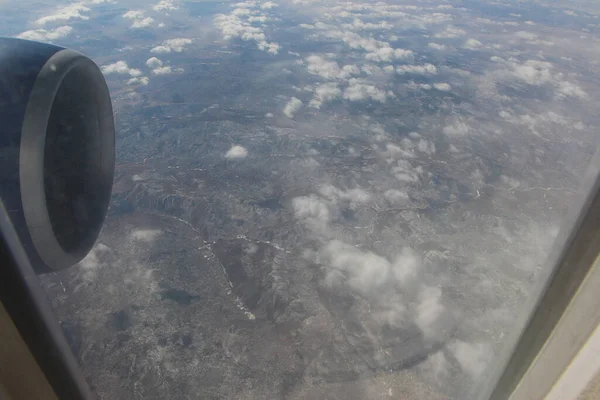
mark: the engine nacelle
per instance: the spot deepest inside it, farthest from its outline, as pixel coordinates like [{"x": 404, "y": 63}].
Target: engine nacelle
[{"x": 57, "y": 150}]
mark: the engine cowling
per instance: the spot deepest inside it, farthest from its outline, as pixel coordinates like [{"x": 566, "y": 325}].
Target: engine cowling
[{"x": 57, "y": 157}]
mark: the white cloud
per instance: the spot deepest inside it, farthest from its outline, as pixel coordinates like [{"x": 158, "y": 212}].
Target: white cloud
[
  {"x": 324, "y": 93},
  {"x": 357, "y": 90},
  {"x": 376, "y": 50},
  {"x": 165, "y": 5},
  {"x": 387, "y": 54},
  {"x": 164, "y": 70},
  {"x": 241, "y": 11},
  {"x": 353, "y": 196},
  {"x": 94, "y": 260},
  {"x": 292, "y": 107},
  {"x": 473, "y": 358},
  {"x": 369, "y": 273},
  {"x": 177, "y": 45},
  {"x": 444, "y": 87},
  {"x": 570, "y": 89},
  {"x": 158, "y": 67},
  {"x": 472, "y": 44},
  {"x": 330, "y": 69},
  {"x": 44, "y": 35},
  {"x": 139, "y": 21},
  {"x": 426, "y": 147},
  {"x": 414, "y": 86},
  {"x": 429, "y": 310},
  {"x": 416, "y": 69},
  {"x": 526, "y": 35},
  {"x": 533, "y": 72},
  {"x": 268, "y": 5},
  {"x": 142, "y": 80},
  {"x": 233, "y": 26},
  {"x": 404, "y": 171},
  {"x": 539, "y": 73},
  {"x": 450, "y": 32},
  {"x": 358, "y": 24},
  {"x": 142, "y": 23},
  {"x": 154, "y": 62},
  {"x": 258, "y": 18},
  {"x": 312, "y": 210},
  {"x": 395, "y": 197},
  {"x": 120, "y": 67},
  {"x": 145, "y": 235},
  {"x": 65, "y": 13},
  {"x": 435, "y": 46},
  {"x": 365, "y": 271},
  {"x": 458, "y": 128},
  {"x": 134, "y": 14},
  {"x": 236, "y": 153}
]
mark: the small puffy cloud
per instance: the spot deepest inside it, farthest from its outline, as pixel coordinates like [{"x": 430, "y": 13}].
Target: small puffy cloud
[
  {"x": 177, "y": 45},
  {"x": 165, "y": 5},
  {"x": 570, "y": 89},
  {"x": 415, "y": 86},
  {"x": 359, "y": 25},
  {"x": 158, "y": 67},
  {"x": 268, "y": 5},
  {"x": 234, "y": 26},
  {"x": 367, "y": 272},
  {"x": 258, "y": 18},
  {"x": 458, "y": 128},
  {"x": 138, "y": 18},
  {"x": 435, "y": 46},
  {"x": 236, "y": 153},
  {"x": 472, "y": 44},
  {"x": 133, "y": 14},
  {"x": 139, "y": 21},
  {"x": 164, "y": 70},
  {"x": 142, "y": 80},
  {"x": 324, "y": 93},
  {"x": 404, "y": 171},
  {"x": 473, "y": 358},
  {"x": 241, "y": 11},
  {"x": 357, "y": 90},
  {"x": 387, "y": 54},
  {"x": 533, "y": 72},
  {"x": 443, "y": 87},
  {"x": 330, "y": 69},
  {"x": 292, "y": 106},
  {"x": 142, "y": 23},
  {"x": 526, "y": 35},
  {"x": 120, "y": 67},
  {"x": 450, "y": 32},
  {"x": 429, "y": 310},
  {"x": 66, "y": 13},
  {"x": 416, "y": 69},
  {"x": 353, "y": 196},
  {"x": 426, "y": 147},
  {"x": 145, "y": 235},
  {"x": 44, "y": 35},
  {"x": 312, "y": 210},
  {"x": 94, "y": 261},
  {"x": 395, "y": 197},
  {"x": 154, "y": 62}
]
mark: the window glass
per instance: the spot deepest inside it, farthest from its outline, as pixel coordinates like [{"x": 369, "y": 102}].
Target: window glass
[{"x": 321, "y": 199}]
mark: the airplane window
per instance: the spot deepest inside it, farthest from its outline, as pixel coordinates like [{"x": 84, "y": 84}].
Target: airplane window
[{"x": 320, "y": 199}]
